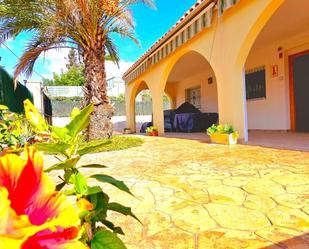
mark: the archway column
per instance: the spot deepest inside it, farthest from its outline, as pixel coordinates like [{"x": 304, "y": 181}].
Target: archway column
[
  {"x": 130, "y": 108},
  {"x": 157, "y": 108},
  {"x": 232, "y": 98},
  {"x": 235, "y": 35}
]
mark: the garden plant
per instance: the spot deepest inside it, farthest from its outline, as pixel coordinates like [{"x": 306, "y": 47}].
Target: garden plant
[
  {"x": 152, "y": 131},
  {"x": 95, "y": 230},
  {"x": 14, "y": 130}
]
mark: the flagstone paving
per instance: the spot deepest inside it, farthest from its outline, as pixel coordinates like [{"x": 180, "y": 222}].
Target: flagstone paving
[{"x": 195, "y": 195}]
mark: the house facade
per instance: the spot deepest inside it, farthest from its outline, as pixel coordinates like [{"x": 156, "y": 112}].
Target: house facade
[{"x": 247, "y": 60}]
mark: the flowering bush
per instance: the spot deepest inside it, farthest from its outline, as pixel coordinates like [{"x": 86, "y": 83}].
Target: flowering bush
[
  {"x": 68, "y": 143},
  {"x": 14, "y": 131},
  {"x": 32, "y": 214}
]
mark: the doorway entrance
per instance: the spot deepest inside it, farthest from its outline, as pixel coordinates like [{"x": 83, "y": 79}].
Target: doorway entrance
[{"x": 299, "y": 92}]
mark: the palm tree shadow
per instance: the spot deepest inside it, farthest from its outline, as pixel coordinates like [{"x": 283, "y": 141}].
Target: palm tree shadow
[{"x": 299, "y": 242}]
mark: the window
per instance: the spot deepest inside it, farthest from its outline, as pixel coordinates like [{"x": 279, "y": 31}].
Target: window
[
  {"x": 193, "y": 96},
  {"x": 256, "y": 83}
]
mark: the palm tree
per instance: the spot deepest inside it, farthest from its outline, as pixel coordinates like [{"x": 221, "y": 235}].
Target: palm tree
[{"x": 86, "y": 25}]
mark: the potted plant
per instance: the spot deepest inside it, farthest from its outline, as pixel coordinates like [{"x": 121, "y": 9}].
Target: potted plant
[
  {"x": 152, "y": 131},
  {"x": 222, "y": 134},
  {"x": 127, "y": 131}
]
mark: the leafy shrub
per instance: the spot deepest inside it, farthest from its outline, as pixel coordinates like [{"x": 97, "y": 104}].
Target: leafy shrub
[
  {"x": 14, "y": 131},
  {"x": 97, "y": 230},
  {"x": 151, "y": 129},
  {"x": 67, "y": 99},
  {"x": 221, "y": 129}
]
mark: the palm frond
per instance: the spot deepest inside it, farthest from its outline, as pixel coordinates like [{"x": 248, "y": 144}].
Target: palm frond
[
  {"x": 33, "y": 51},
  {"x": 112, "y": 50},
  {"x": 84, "y": 24}
]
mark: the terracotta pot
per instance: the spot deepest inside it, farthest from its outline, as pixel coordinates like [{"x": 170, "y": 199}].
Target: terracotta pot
[{"x": 153, "y": 134}]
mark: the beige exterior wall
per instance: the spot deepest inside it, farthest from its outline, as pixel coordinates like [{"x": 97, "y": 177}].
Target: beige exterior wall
[{"x": 273, "y": 113}]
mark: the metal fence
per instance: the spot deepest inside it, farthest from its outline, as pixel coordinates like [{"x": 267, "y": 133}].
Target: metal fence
[
  {"x": 65, "y": 91},
  {"x": 64, "y": 108}
]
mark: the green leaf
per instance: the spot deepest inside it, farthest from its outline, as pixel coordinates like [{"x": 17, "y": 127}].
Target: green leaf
[
  {"x": 99, "y": 200},
  {"x": 80, "y": 121},
  {"x": 67, "y": 164},
  {"x": 52, "y": 147},
  {"x": 60, "y": 186},
  {"x": 90, "y": 148},
  {"x": 3, "y": 108},
  {"x": 70, "y": 192},
  {"x": 61, "y": 133},
  {"x": 69, "y": 175},
  {"x": 111, "y": 226},
  {"x": 106, "y": 240},
  {"x": 80, "y": 182},
  {"x": 94, "y": 166},
  {"x": 93, "y": 190},
  {"x": 75, "y": 112},
  {"x": 108, "y": 179},
  {"x": 122, "y": 210}
]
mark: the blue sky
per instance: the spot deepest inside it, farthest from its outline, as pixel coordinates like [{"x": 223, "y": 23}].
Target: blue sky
[{"x": 150, "y": 25}]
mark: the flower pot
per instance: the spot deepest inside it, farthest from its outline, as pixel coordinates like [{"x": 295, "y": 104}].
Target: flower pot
[
  {"x": 227, "y": 139},
  {"x": 153, "y": 133},
  {"x": 127, "y": 131}
]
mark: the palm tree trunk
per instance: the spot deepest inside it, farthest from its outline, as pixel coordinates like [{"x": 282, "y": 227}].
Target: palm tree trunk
[{"x": 95, "y": 91}]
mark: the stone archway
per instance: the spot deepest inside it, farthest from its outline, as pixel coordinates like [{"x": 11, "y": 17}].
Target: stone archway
[
  {"x": 193, "y": 71},
  {"x": 131, "y": 93}
]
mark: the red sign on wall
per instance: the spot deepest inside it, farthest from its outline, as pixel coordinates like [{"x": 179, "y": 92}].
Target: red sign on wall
[{"x": 274, "y": 71}]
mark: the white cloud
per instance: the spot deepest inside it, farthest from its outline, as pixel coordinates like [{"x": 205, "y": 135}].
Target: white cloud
[
  {"x": 55, "y": 61},
  {"x": 112, "y": 69}
]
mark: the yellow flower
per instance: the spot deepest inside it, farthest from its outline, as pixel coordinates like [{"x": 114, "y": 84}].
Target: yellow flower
[
  {"x": 32, "y": 214},
  {"x": 34, "y": 117},
  {"x": 83, "y": 204}
]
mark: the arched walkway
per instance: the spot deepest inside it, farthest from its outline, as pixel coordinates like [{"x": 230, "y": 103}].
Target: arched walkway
[
  {"x": 131, "y": 95},
  {"x": 273, "y": 103},
  {"x": 191, "y": 79},
  {"x": 192, "y": 71}
]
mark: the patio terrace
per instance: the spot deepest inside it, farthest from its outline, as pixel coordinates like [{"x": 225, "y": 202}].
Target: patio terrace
[
  {"x": 270, "y": 139},
  {"x": 190, "y": 194}
]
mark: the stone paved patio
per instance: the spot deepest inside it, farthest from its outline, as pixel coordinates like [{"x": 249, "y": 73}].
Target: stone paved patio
[{"x": 191, "y": 194}]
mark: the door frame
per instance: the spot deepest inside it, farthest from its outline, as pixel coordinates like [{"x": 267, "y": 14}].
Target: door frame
[{"x": 292, "y": 88}]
